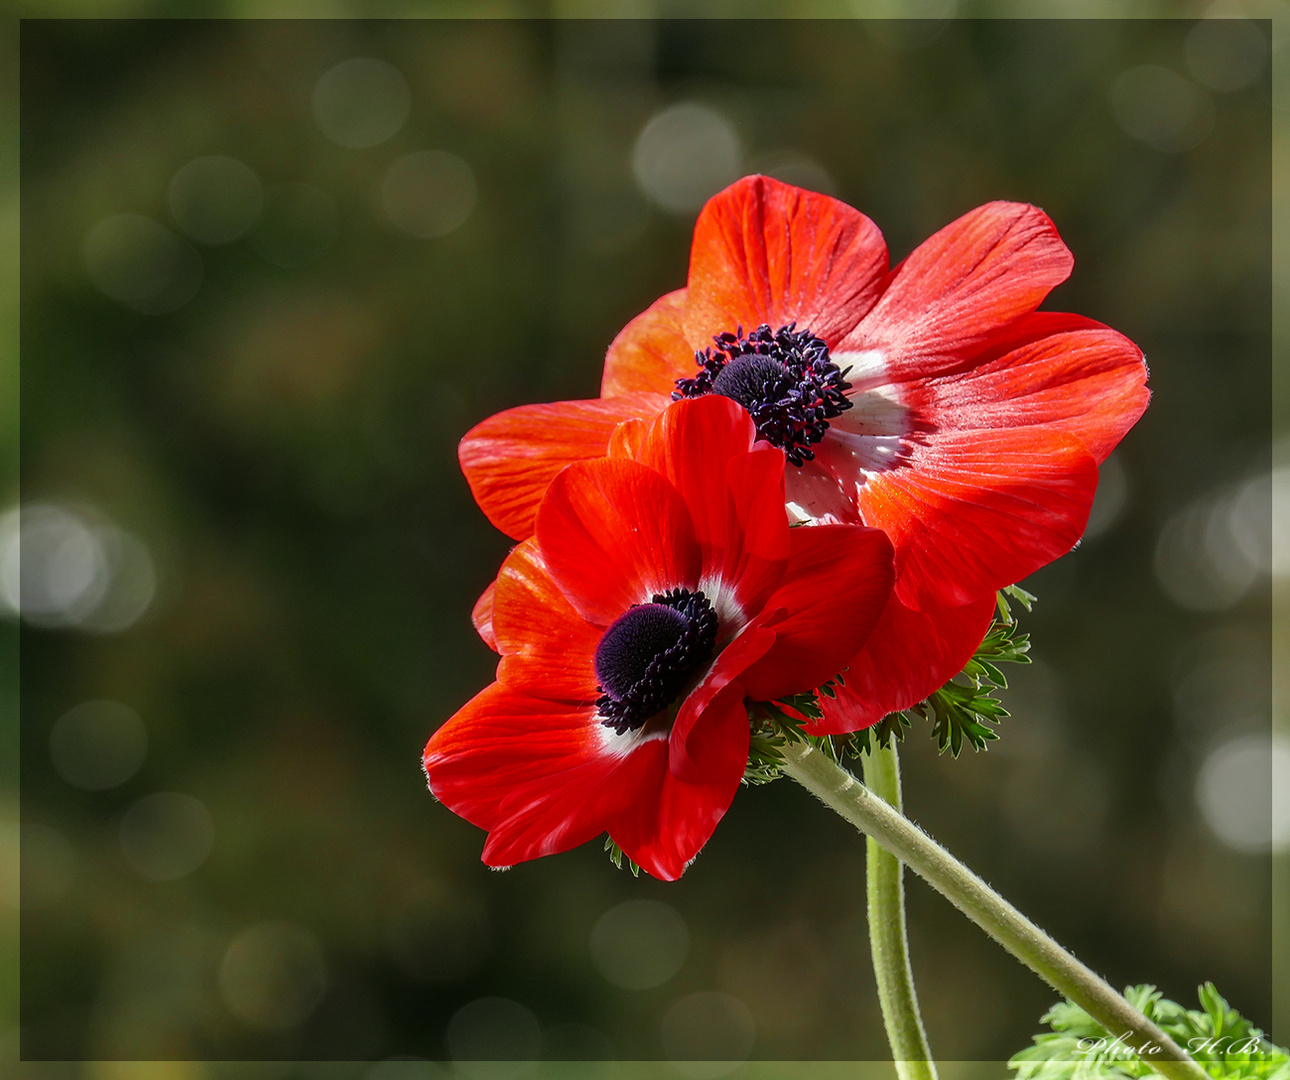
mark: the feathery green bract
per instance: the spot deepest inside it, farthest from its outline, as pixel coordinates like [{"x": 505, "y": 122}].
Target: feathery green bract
[
  {"x": 616, "y": 856},
  {"x": 1222, "y": 1041}
]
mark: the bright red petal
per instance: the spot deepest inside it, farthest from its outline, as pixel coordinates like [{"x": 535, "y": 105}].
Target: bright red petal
[
  {"x": 546, "y": 646},
  {"x": 664, "y": 830},
  {"x": 511, "y": 457},
  {"x": 837, "y": 584},
  {"x": 974, "y": 511},
  {"x": 961, "y": 287},
  {"x": 651, "y": 352},
  {"x": 909, "y": 655},
  {"x": 1059, "y": 371},
  {"x": 482, "y": 615},
  {"x": 733, "y": 489},
  {"x": 536, "y": 774},
  {"x": 734, "y": 659},
  {"x": 614, "y": 532},
  {"x": 767, "y": 252}
]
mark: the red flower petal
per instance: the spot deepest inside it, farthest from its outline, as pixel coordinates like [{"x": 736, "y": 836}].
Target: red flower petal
[
  {"x": 613, "y": 533},
  {"x": 1060, "y": 371},
  {"x": 733, "y": 660},
  {"x": 546, "y": 646},
  {"x": 909, "y": 655},
  {"x": 974, "y": 511},
  {"x": 511, "y": 457},
  {"x": 766, "y": 252},
  {"x": 651, "y": 352},
  {"x": 482, "y": 615},
  {"x": 837, "y": 584},
  {"x": 961, "y": 287},
  {"x": 663, "y": 830},
  {"x": 534, "y": 773},
  {"x": 735, "y": 493}
]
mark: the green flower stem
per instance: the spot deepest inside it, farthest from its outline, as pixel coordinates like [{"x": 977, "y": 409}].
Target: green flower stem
[
  {"x": 845, "y": 795},
  {"x": 887, "y": 939}
]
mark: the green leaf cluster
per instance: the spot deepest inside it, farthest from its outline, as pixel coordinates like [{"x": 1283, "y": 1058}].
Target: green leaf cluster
[{"x": 1222, "y": 1041}]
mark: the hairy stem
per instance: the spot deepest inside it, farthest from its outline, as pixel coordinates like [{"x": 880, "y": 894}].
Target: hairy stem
[
  {"x": 845, "y": 795},
  {"x": 887, "y": 938}
]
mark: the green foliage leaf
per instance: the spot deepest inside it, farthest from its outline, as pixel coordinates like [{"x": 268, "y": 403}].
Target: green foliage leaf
[{"x": 1222, "y": 1041}]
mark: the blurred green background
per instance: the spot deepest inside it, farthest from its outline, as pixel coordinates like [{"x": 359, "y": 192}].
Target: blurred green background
[{"x": 272, "y": 271}]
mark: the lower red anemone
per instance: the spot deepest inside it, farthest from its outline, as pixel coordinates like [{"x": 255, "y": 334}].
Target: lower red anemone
[{"x": 662, "y": 587}]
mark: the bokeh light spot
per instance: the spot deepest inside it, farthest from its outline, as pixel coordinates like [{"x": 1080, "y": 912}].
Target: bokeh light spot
[
  {"x": 1226, "y": 55},
  {"x": 272, "y": 975},
  {"x": 61, "y": 567},
  {"x": 493, "y": 1038},
  {"x": 796, "y": 168},
  {"x": 708, "y": 1034},
  {"x": 141, "y": 264},
  {"x": 361, "y": 102},
  {"x": 215, "y": 199},
  {"x": 639, "y": 944},
  {"x": 684, "y": 155},
  {"x": 1161, "y": 108},
  {"x": 98, "y": 745},
  {"x": 1211, "y": 552},
  {"x": 167, "y": 835},
  {"x": 1243, "y": 791},
  {"x": 429, "y": 193}
]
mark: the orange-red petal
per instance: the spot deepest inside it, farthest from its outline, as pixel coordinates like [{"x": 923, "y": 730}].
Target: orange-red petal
[
  {"x": 767, "y": 252},
  {"x": 510, "y": 458},
  {"x": 961, "y": 287},
  {"x": 975, "y": 511},
  {"x": 1057, "y": 371},
  {"x": 651, "y": 352}
]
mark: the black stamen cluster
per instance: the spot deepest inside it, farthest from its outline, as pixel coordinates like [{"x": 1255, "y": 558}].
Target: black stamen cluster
[
  {"x": 649, "y": 653},
  {"x": 784, "y": 379}
]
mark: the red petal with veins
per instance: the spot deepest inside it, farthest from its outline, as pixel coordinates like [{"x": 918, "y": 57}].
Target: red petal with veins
[
  {"x": 664, "y": 829},
  {"x": 767, "y": 252},
  {"x": 613, "y": 533},
  {"x": 909, "y": 655},
  {"x": 534, "y": 773},
  {"x": 837, "y": 584},
  {"x": 976, "y": 511},
  {"x": 1055, "y": 371},
  {"x": 959, "y": 288},
  {"x": 733, "y": 489},
  {"x": 547, "y": 648},
  {"x": 511, "y": 457}
]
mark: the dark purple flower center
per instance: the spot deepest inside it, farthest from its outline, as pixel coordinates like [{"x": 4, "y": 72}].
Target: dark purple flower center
[
  {"x": 784, "y": 379},
  {"x": 649, "y": 653}
]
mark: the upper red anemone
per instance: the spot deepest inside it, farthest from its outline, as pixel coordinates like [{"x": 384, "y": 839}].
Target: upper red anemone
[
  {"x": 971, "y": 428},
  {"x": 662, "y": 586}
]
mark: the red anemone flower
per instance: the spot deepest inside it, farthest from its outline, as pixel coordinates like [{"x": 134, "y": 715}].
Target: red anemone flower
[
  {"x": 930, "y": 400},
  {"x": 662, "y": 586}
]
